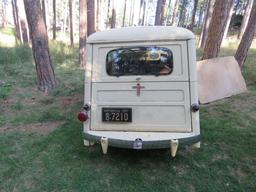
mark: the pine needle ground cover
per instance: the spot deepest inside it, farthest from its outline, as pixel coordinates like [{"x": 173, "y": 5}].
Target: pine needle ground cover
[{"x": 41, "y": 147}]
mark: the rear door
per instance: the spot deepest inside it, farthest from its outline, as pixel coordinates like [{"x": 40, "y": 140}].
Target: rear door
[{"x": 142, "y": 87}]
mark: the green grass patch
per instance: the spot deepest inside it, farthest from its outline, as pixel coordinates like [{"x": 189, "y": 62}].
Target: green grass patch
[
  {"x": 58, "y": 161},
  {"x": 7, "y": 31},
  {"x": 4, "y": 91}
]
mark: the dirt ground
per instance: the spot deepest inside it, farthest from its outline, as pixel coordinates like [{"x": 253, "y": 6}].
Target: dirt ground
[{"x": 40, "y": 128}]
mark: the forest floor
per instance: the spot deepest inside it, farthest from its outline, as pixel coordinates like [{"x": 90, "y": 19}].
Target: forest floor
[{"x": 41, "y": 145}]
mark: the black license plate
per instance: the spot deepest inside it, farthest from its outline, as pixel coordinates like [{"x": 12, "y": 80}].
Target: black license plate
[{"x": 117, "y": 115}]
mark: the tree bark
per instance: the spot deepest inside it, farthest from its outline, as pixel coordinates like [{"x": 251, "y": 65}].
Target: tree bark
[
  {"x": 54, "y": 20},
  {"x": 247, "y": 12},
  {"x": 182, "y": 13},
  {"x": 82, "y": 31},
  {"x": 168, "y": 13},
  {"x": 131, "y": 10},
  {"x": 4, "y": 13},
  {"x": 247, "y": 38},
  {"x": 125, "y": 3},
  {"x": 97, "y": 23},
  {"x": 216, "y": 28},
  {"x": 186, "y": 22},
  {"x": 140, "y": 11},
  {"x": 40, "y": 48},
  {"x": 108, "y": 14},
  {"x": 22, "y": 21},
  {"x": 207, "y": 20},
  {"x": 113, "y": 18},
  {"x": 228, "y": 22},
  {"x": 113, "y": 15},
  {"x": 193, "y": 15},
  {"x": 16, "y": 19},
  {"x": 65, "y": 20},
  {"x": 90, "y": 17},
  {"x": 159, "y": 18},
  {"x": 143, "y": 13},
  {"x": 44, "y": 12},
  {"x": 71, "y": 23},
  {"x": 200, "y": 16},
  {"x": 175, "y": 11}
]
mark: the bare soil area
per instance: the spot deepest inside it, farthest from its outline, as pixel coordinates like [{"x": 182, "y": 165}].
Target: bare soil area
[{"x": 40, "y": 128}]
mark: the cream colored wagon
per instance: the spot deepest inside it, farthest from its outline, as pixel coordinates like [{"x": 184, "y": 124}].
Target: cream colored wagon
[{"x": 141, "y": 89}]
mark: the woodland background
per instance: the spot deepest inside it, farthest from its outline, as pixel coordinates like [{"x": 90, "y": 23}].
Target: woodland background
[
  {"x": 212, "y": 20},
  {"x": 42, "y": 59}
]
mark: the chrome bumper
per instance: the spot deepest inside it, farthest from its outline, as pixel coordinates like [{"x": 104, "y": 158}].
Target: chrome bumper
[{"x": 130, "y": 144}]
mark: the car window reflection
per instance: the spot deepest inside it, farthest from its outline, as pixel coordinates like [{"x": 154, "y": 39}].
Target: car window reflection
[{"x": 139, "y": 61}]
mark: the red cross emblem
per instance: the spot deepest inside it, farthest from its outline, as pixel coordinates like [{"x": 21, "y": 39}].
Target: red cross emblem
[{"x": 138, "y": 87}]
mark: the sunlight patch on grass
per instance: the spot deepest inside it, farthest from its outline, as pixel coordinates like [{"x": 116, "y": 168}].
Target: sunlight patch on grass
[
  {"x": 7, "y": 40},
  {"x": 7, "y": 37}
]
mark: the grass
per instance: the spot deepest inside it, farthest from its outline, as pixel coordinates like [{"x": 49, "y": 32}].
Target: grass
[{"x": 58, "y": 161}]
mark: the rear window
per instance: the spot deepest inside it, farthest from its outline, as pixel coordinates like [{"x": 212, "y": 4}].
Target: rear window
[{"x": 139, "y": 61}]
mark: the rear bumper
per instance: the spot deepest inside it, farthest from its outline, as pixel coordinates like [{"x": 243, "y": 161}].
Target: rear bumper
[{"x": 146, "y": 144}]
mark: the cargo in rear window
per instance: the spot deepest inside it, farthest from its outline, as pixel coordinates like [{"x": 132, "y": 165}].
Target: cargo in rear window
[{"x": 139, "y": 61}]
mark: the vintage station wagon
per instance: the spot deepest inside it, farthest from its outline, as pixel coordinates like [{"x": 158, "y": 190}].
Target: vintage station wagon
[{"x": 141, "y": 89}]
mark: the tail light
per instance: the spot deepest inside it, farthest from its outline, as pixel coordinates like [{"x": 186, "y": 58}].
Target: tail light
[
  {"x": 82, "y": 116},
  {"x": 195, "y": 107}
]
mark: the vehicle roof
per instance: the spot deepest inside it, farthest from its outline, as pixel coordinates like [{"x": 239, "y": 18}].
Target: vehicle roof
[{"x": 145, "y": 33}]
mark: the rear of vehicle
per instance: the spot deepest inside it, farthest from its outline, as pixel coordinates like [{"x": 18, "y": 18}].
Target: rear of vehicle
[{"x": 141, "y": 91}]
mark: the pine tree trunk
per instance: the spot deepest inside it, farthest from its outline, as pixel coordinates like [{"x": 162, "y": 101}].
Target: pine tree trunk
[
  {"x": 44, "y": 12},
  {"x": 200, "y": 16},
  {"x": 175, "y": 11},
  {"x": 82, "y": 31},
  {"x": 133, "y": 6},
  {"x": 193, "y": 15},
  {"x": 108, "y": 14},
  {"x": 65, "y": 20},
  {"x": 182, "y": 13},
  {"x": 207, "y": 20},
  {"x": 71, "y": 23},
  {"x": 247, "y": 12},
  {"x": 44, "y": 67},
  {"x": 97, "y": 23},
  {"x": 113, "y": 18},
  {"x": 4, "y": 14},
  {"x": 216, "y": 28},
  {"x": 24, "y": 30},
  {"x": 90, "y": 17},
  {"x": 140, "y": 11},
  {"x": 146, "y": 17},
  {"x": 163, "y": 9},
  {"x": 54, "y": 20},
  {"x": 125, "y": 3},
  {"x": 16, "y": 19},
  {"x": 186, "y": 19},
  {"x": 23, "y": 21},
  {"x": 159, "y": 18},
  {"x": 168, "y": 13},
  {"x": 143, "y": 13},
  {"x": 247, "y": 38},
  {"x": 228, "y": 22},
  {"x": 131, "y": 10}
]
